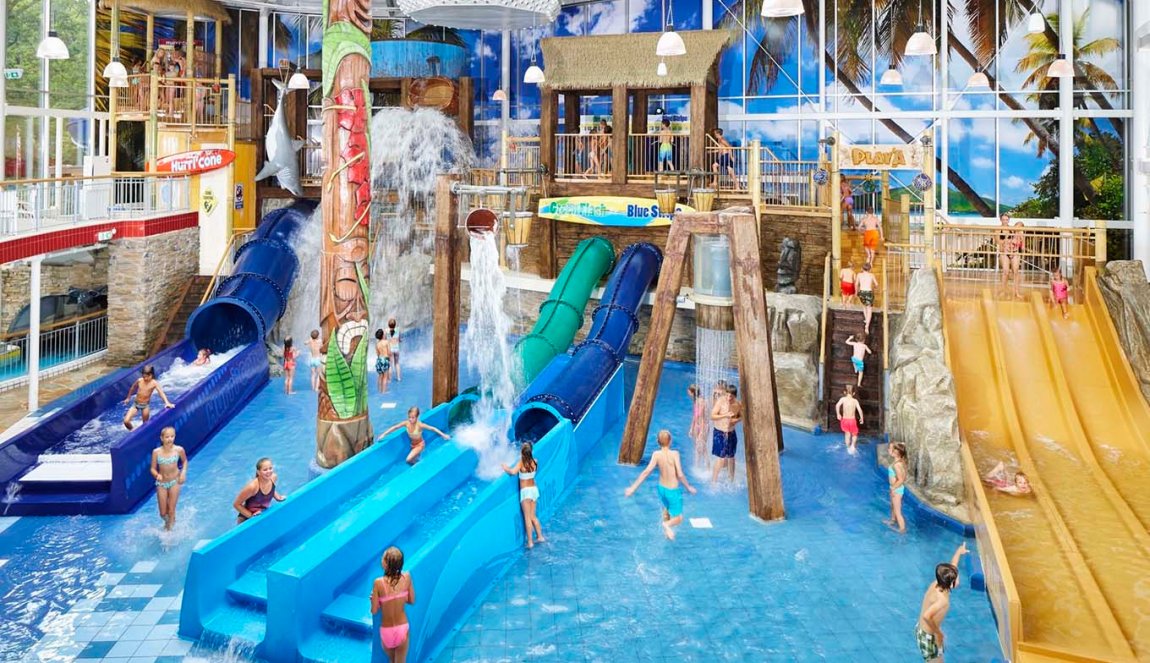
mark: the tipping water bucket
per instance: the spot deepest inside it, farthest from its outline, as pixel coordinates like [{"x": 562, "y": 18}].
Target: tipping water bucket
[
  {"x": 667, "y": 199},
  {"x": 518, "y": 228},
  {"x": 481, "y": 221},
  {"x": 704, "y": 199}
]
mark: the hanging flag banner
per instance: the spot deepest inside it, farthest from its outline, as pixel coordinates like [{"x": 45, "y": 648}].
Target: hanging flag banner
[
  {"x": 880, "y": 157},
  {"x": 195, "y": 161},
  {"x": 617, "y": 211}
]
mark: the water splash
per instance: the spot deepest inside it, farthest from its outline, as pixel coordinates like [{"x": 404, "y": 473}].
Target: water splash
[
  {"x": 302, "y": 312},
  {"x": 714, "y": 352},
  {"x": 11, "y": 495}
]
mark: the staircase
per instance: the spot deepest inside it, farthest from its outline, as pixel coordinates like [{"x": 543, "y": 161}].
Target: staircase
[
  {"x": 186, "y": 303},
  {"x": 841, "y": 323}
]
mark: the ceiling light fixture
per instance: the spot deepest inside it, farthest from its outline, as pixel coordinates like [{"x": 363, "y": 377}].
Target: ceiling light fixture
[
  {"x": 670, "y": 43},
  {"x": 52, "y": 48},
  {"x": 920, "y": 43},
  {"x": 1061, "y": 68},
  {"x": 892, "y": 77},
  {"x": 782, "y": 8}
]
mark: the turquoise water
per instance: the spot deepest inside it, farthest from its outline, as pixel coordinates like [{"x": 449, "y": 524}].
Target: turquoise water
[{"x": 830, "y": 583}]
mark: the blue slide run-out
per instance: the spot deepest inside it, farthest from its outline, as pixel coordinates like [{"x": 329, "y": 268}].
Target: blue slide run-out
[{"x": 80, "y": 460}]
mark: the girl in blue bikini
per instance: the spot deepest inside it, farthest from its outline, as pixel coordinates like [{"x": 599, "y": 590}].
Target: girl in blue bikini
[
  {"x": 896, "y": 477},
  {"x": 528, "y": 492},
  {"x": 169, "y": 475}
]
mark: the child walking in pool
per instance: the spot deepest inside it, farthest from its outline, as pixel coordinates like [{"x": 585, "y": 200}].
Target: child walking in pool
[
  {"x": 415, "y": 429},
  {"x": 143, "y": 388},
  {"x": 850, "y": 414},
  {"x": 1060, "y": 292},
  {"x": 314, "y": 358},
  {"x": 170, "y": 470},
  {"x": 935, "y": 604},
  {"x": 859, "y": 351},
  {"x": 393, "y": 338},
  {"x": 528, "y": 492},
  {"x": 257, "y": 495},
  {"x": 389, "y": 596},
  {"x": 726, "y": 414},
  {"x": 382, "y": 361},
  {"x": 290, "y": 357},
  {"x": 896, "y": 477},
  {"x": 698, "y": 430},
  {"x": 670, "y": 474}
]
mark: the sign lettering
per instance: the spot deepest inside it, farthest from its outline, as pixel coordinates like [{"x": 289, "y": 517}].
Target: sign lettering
[
  {"x": 881, "y": 157},
  {"x": 195, "y": 162},
  {"x": 608, "y": 211}
]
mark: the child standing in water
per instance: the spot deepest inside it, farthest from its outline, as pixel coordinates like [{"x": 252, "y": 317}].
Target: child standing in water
[
  {"x": 1060, "y": 292},
  {"x": 725, "y": 440},
  {"x": 698, "y": 430},
  {"x": 859, "y": 351},
  {"x": 393, "y": 337},
  {"x": 935, "y": 605},
  {"x": 290, "y": 356},
  {"x": 850, "y": 414},
  {"x": 389, "y": 596},
  {"x": 314, "y": 361},
  {"x": 896, "y": 476},
  {"x": 143, "y": 388},
  {"x": 415, "y": 429},
  {"x": 257, "y": 495},
  {"x": 528, "y": 492},
  {"x": 847, "y": 283},
  {"x": 169, "y": 475},
  {"x": 382, "y": 361},
  {"x": 670, "y": 474}
]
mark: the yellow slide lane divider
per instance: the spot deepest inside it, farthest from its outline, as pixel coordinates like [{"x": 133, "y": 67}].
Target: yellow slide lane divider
[{"x": 1108, "y": 623}]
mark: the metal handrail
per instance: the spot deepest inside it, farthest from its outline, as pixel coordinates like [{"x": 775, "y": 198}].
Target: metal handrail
[
  {"x": 78, "y": 178},
  {"x": 8, "y": 336}
]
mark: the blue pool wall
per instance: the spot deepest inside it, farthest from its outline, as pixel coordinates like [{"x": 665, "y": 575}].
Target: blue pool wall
[
  {"x": 455, "y": 570},
  {"x": 407, "y": 58}
]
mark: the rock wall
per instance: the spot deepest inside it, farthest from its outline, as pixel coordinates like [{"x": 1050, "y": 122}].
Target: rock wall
[
  {"x": 145, "y": 278},
  {"x": 1127, "y": 294},
  {"x": 85, "y": 271},
  {"x": 923, "y": 412}
]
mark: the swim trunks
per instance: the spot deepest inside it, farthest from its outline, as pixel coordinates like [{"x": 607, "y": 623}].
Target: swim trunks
[
  {"x": 858, "y": 364},
  {"x": 849, "y": 425},
  {"x": 724, "y": 444},
  {"x": 382, "y": 365},
  {"x": 314, "y": 362},
  {"x": 529, "y": 493},
  {"x": 665, "y": 152},
  {"x": 927, "y": 645},
  {"x": 847, "y": 288},
  {"x": 866, "y": 297},
  {"x": 870, "y": 239},
  {"x": 672, "y": 499},
  {"x": 724, "y": 160}
]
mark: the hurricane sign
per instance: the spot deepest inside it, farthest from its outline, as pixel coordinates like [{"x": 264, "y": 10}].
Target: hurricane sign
[{"x": 195, "y": 162}]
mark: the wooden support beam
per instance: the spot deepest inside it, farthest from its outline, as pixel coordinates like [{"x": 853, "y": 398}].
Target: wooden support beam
[
  {"x": 445, "y": 296},
  {"x": 699, "y": 127},
  {"x": 619, "y": 134},
  {"x": 464, "y": 116},
  {"x": 219, "y": 46},
  {"x": 548, "y": 127},
  {"x": 571, "y": 113},
  {"x": 548, "y": 260},
  {"x": 639, "y": 112}
]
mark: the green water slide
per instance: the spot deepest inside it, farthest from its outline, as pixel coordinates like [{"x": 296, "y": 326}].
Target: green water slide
[{"x": 562, "y": 314}]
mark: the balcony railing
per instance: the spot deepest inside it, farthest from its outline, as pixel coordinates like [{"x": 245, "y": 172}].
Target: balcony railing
[
  {"x": 200, "y": 102},
  {"x": 36, "y": 205},
  {"x": 314, "y": 165},
  {"x": 790, "y": 183},
  {"x": 729, "y": 167},
  {"x": 61, "y": 345},
  {"x": 583, "y": 156},
  {"x": 646, "y": 155}
]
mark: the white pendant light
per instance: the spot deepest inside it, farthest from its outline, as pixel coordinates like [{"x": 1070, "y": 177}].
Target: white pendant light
[
  {"x": 533, "y": 74},
  {"x": 52, "y": 48},
  {"x": 782, "y": 8},
  {"x": 891, "y": 76},
  {"x": 1036, "y": 24},
  {"x": 920, "y": 43},
  {"x": 661, "y": 70},
  {"x": 1061, "y": 68},
  {"x": 670, "y": 43},
  {"x": 499, "y": 95},
  {"x": 298, "y": 81},
  {"x": 117, "y": 81},
  {"x": 115, "y": 69},
  {"x": 978, "y": 80}
]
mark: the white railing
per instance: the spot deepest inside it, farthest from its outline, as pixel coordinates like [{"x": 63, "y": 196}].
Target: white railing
[
  {"x": 36, "y": 205},
  {"x": 790, "y": 183},
  {"x": 61, "y": 345}
]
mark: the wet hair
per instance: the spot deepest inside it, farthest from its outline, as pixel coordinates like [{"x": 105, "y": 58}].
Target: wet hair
[
  {"x": 148, "y": 370},
  {"x": 525, "y": 456},
  {"x": 379, "y": 334},
  {"x": 870, "y": 210},
  {"x": 165, "y": 429},
  {"x": 1021, "y": 474},
  {"x": 861, "y": 337},
  {"x": 393, "y": 565},
  {"x": 664, "y": 438},
  {"x": 733, "y": 390},
  {"x": 315, "y": 333},
  {"x": 413, "y": 409},
  {"x": 866, "y": 266},
  {"x": 391, "y": 323},
  {"x": 666, "y": 122},
  {"x": 849, "y": 390},
  {"x": 1004, "y": 215},
  {"x": 260, "y": 462},
  {"x": 287, "y": 343},
  {"x": 693, "y": 390},
  {"x": 946, "y": 575},
  {"x": 900, "y": 449}
]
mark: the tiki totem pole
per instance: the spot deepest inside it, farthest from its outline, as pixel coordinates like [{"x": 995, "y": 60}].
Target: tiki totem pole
[{"x": 342, "y": 425}]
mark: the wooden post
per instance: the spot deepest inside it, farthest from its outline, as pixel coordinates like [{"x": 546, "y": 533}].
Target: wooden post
[
  {"x": 904, "y": 216},
  {"x": 885, "y": 193},
  {"x": 548, "y": 262},
  {"x": 464, "y": 116},
  {"x": 152, "y": 137},
  {"x": 1099, "y": 242},
  {"x": 698, "y": 109},
  {"x": 219, "y": 48},
  {"x": 619, "y": 134},
  {"x": 836, "y": 215},
  {"x": 755, "y": 178},
  {"x": 571, "y": 113},
  {"x": 149, "y": 39},
  {"x": 548, "y": 124},
  {"x": 231, "y": 111},
  {"x": 445, "y": 297},
  {"x": 639, "y": 112}
]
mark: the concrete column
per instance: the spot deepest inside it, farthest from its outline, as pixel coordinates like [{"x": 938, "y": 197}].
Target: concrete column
[
  {"x": 33, "y": 347},
  {"x": 1066, "y": 125},
  {"x": 1140, "y": 135}
]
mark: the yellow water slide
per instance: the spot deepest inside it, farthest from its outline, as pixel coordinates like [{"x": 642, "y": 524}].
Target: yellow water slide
[{"x": 1069, "y": 566}]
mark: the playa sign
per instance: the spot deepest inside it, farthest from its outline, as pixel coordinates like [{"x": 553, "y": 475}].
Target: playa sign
[
  {"x": 195, "y": 162},
  {"x": 608, "y": 211},
  {"x": 881, "y": 157}
]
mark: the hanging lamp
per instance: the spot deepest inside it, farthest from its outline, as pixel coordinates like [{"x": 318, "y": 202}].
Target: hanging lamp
[
  {"x": 117, "y": 81},
  {"x": 661, "y": 70},
  {"x": 782, "y": 8},
  {"x": 52, "y": 48},
  {"x": 670, "y": 43},
  {"x": 1061, "y": 68},
  {"x": 534, "y": 73},
  {"x": 920, "y": 43},
  {"x": 891, "y": 76},
  {"x": 1036, "y": 24},
  {"x": 978, "y": 79},
  {"x": 115, "y": 69},
  {"x": 298, "y": 80},
  {"x": 499, "y": 95}
]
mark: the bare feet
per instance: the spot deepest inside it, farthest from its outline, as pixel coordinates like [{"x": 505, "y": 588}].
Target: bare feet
[{"x": 668, "y": 532}]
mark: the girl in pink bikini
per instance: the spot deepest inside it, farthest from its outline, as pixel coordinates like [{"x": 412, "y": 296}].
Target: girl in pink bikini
[
  {"x": 389, "y": 595},
  {"x": 1060, "y": 292},
  {"x": 699, "y": 425}
]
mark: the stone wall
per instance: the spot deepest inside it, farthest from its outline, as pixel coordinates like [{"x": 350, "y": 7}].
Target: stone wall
[
  {"x": 88, "y": 271},
  {"x": 923, "y": 412},
  {"x": 1127, "y": 294},
  {"x": 145, "y": 278},
  {"x": 813, "y": 231}
]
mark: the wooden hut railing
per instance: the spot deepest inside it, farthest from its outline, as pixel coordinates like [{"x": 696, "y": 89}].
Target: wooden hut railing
[
  {"x": 582, "y": 156},
  {"x": 197, "y": 101},
  {"x": 644, "y": 160}
]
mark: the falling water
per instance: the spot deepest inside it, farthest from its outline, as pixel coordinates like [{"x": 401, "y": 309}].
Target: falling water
[
  {"x": 714, "y": 354},
  {"x": 487, "y": 350},
  {"x": 302, "y": 313},
  {"x": 11, "y": 495},
  {"x": 514, "y": 262}
]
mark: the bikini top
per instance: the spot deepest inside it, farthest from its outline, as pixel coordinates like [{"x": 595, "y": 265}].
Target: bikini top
[
  {"x": 390, "y": 597},
  {"x": 167, "y": 460},
  {"x": 890, "y": 472},
  {"x": 523, "y": 476},
  {"x": 1059, "y": 286}
]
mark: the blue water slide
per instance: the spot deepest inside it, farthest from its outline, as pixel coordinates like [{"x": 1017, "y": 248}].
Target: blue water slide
[
  {"x": 116, "y": 477},
  {"x": 570, "y": 390}
]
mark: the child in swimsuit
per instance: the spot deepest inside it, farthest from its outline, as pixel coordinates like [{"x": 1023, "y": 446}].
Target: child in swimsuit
[
  {"x": 896, "y": 477},
  {"x": 847, "y": 283},
  {"x": 203, "y": 357},
  {"x": 143, "y": 389},
  {"x": 166, "y": 461},
  {"x": 866, "y": 283},
  {"x": 257, "y": 495},
  {"x": 394, "y": 339},
  {"x": 848, "y": 203},
  {"x": 725, "y": 415},
  {"x": 872, "y": 233},
  {"x": 850, "y": 415},
  {"x": 1001, "y": 481},
  {"x": 1060, "y": 292},
  {"x": 382, "y": 361},
  {"x": 670, "y": 474},
  {"x": 290, "y": 356},
  {"x": 698, "y": 430},
  {"x": 935, "y": 604},
  {"x": 859, "y": 351},
  {"x": 389, "y": 595},
  {"x": 666, "y": 147},
  {"x": 415, "y": 429},
  {"x": 314, "y": 359},
  {"x": 528, "y": 492}
]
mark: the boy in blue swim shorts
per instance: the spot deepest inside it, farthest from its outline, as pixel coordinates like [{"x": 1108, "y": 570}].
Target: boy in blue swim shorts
[
  {"x": 726, "y": 414},
  {"x": 859, "y": 351},
  {"x": 670, "y": 474}
]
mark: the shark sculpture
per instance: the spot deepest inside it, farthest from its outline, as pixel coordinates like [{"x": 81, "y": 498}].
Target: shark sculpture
[{"x": 281, "y": 149}]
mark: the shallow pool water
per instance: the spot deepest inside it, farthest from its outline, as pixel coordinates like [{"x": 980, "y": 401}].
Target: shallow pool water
[{"x": 829, "y": 583}]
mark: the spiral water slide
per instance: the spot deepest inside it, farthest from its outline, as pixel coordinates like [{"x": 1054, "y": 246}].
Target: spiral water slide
[
  {"x": 245, "y": 306},
  {"x": 1058, "y": 398}
]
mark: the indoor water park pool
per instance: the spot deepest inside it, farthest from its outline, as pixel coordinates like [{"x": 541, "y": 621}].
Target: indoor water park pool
[{"x": 606, "y": 581}]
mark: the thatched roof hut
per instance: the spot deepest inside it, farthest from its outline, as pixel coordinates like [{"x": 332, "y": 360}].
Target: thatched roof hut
[
  {"x": 600, "y": 61},
  {"x": 201, "y": 9}
]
